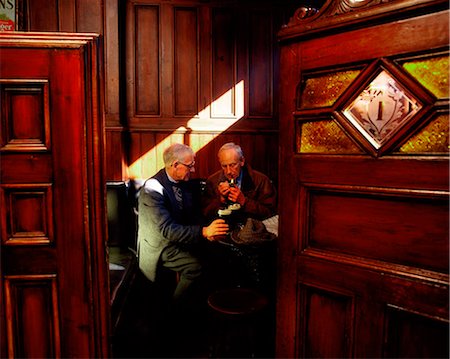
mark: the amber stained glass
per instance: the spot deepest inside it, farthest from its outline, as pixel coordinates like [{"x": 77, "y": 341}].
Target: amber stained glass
[
  {"x": 431, "y": 139},
  {"x": 323, "y": 91},
  {"x": 432, "y": 73},
  {"x": 324, "y": 137}
]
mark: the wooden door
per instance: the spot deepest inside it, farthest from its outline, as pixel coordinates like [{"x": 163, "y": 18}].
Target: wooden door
[
  {"x": 54, "y": 281},
  {"x": 364, "y": 198}
]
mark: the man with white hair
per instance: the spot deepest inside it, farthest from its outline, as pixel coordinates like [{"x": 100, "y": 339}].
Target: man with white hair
[
  {"x": 238, "y": 183},
  {"x": 171, "y": 228}
]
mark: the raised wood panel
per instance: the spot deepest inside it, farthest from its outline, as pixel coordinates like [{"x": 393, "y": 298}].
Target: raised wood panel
[
  {"x": 89, "y": 16},
  {"x": 63, "y": 188},
  {"x": 388, "y": 226},
  {"x": 28, "y": 212},
  {"x": 418, "y": 290},
  {"x": 186, "y": 72},
  {"x": 403, "y": 328},
  {"x": 115, "y": 150},
  {"x": 112, "y": 57},
  {"x": 260, "y": 77},
  {"x": 42, "y": 15},
  {"x": 147, "y": 52},
  {"x": 215, "y": 64},
  {"x": 327, "y": 325},
  {"x": 223, "y": 63},
  {"x": 25, "y": 124},
  {"x": 33, "y": 328}
]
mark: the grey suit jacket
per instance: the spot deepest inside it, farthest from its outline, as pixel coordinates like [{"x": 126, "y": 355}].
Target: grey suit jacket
[{"x": 162, "y": 223}]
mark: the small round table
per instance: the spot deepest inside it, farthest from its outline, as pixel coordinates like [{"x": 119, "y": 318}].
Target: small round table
[{"x": 235, "y": 320}]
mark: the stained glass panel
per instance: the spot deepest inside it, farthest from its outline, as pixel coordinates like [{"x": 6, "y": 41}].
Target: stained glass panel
[
  {"x": 434, "y": 138},
  {"x": 324, "y": 90},
  {"x": 324, "y": 137},
  {"x": 381, "y": 109},
  {"x": 432, "y": 73}
]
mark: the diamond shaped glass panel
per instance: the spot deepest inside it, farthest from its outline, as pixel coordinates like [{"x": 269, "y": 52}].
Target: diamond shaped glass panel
[{"x": 381, "y": 109}]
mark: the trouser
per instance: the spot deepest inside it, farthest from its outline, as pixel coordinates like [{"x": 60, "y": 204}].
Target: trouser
[{"x": 186, "y": 264}]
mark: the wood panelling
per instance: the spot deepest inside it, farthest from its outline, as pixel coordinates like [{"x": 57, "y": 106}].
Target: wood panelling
[
  {"x": 186, "y": 73},
  {"x": 207, "y": 67},
  {"x": 260, "y": 65},
  {"x": 147, "y": 54},
  {"x": 196, "y": 72},
  {"x": 328, "y": 325},
  {"x": 371, "y": 225},
  {"x": 146, "y": 148},
  {"x": 114, "y": 149},
  {"x": 28, "y": 214},
  {"x": 42, "y": 15},
  {"x": 36, "y": 297},
  {"x": 52, "y": 199},
  {"x": 402, "y": 326},
  {"x": 25, "y": 115},
  {"x": 223, "y": 63},
  {"x": 112, "y": 57},
  {"x": 386, "y": 226}
]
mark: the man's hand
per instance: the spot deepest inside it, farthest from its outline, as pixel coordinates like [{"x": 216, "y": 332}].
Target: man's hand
[
  {"x": 224, "y": 190},
  {"x": 235, "y": 195},
  {"x": 217, "y": 227}
]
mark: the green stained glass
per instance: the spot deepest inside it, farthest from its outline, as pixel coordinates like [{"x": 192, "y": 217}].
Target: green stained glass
[
  {"x": 432, "y": 73},
  {"x": 324, "y": 137},
  {"x": 431, "y": 139},
  {"x": 324, "y": 90}
]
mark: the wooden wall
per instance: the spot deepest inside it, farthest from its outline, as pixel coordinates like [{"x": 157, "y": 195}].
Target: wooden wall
[{"x": 202, "y": 73}]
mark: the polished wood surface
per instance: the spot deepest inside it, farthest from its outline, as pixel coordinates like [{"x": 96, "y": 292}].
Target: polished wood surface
[
  {"x": 193, "y": 69},
  {"x": 363, "y": 260},
  {"x": 55, "y": 300}
]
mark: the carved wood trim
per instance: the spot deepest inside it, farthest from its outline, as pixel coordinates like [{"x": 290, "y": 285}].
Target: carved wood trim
[{"x": 335, "y": 15}]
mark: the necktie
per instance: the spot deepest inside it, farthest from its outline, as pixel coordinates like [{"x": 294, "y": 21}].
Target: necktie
[{"x": 178, "y": 195}]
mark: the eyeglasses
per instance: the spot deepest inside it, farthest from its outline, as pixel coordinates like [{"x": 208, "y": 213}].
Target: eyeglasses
[{"x": 190, "y": 165}]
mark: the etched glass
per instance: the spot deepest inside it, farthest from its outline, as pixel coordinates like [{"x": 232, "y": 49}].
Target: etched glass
[{"x": 381, "y": 109}]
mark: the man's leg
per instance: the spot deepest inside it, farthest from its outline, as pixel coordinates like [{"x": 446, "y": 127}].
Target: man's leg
[{"x": 184, "y": 263}]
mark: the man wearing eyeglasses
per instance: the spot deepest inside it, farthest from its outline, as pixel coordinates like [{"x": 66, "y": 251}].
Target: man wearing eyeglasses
[
  {"x": 171, "y": 229},
  {"x": 238, "y": 183}
]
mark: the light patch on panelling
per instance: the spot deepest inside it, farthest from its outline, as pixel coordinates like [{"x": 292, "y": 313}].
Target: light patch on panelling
[
  {"x": 27, "y": 210},
  {"x": 25, "y": 114}
]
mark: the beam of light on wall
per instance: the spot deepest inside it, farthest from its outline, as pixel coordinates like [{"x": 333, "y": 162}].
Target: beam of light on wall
[{"x": 210, "y": 122}]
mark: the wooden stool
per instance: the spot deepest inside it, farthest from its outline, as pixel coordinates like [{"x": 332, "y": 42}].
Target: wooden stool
[{"x": 234, "y": 321}]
